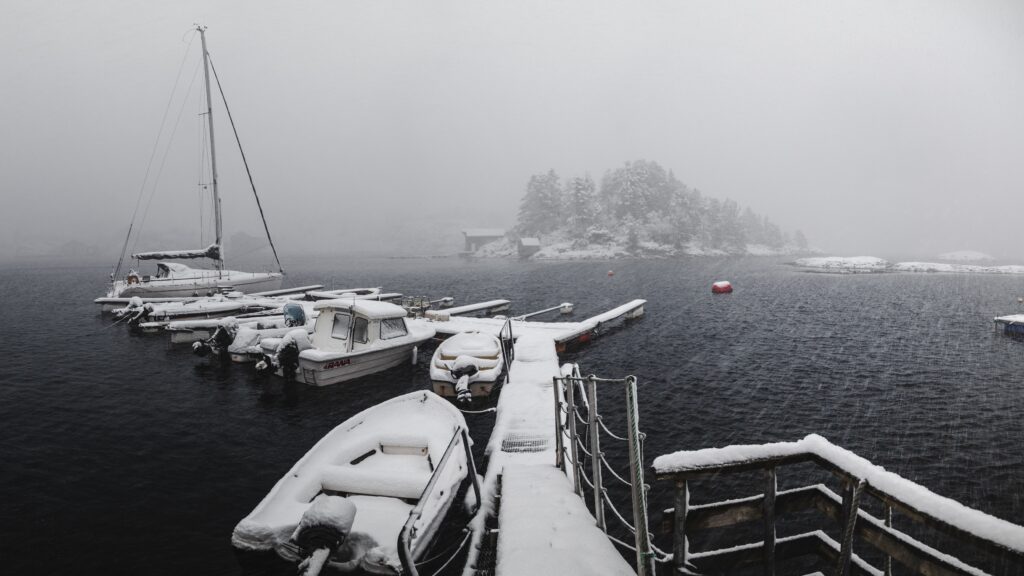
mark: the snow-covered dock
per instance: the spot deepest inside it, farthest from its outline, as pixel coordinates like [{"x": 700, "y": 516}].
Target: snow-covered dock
[
  {"x": 564, "y": 334},
  {"x": 544, "y": 526},
  {"x": 1012, "y": 324},
  {"x": 486, "y": 308}
]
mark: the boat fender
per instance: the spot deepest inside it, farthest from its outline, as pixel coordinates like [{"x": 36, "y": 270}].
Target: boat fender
[{"x": 415, "y": 354}]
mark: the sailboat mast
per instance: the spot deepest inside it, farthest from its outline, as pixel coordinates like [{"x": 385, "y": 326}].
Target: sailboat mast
[{"x": 213, "y": 149}]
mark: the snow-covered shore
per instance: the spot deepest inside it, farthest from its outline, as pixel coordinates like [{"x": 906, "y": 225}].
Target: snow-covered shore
[
  {"x": 861, "y": 264},
  {"x": 564, "y": 249}
]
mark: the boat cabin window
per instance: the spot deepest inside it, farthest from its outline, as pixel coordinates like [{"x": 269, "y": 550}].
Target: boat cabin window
[
  {"x": 162, "y": 271},
  {"x": 361, "y": 330},
  {"x": 392, "y": 328},
  {"x": 342, "y": 322}
]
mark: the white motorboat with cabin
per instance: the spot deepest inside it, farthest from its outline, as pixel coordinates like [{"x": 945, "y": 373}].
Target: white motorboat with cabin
[
  {"x": 371, "y": 494},
  {"x": 175, "y": 279},
  {"x": 470, "y": 365},
  {"x": 350, "y": 339}
]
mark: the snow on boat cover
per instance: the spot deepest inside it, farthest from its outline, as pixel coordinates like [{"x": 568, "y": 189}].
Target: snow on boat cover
[{"x": 380, "y": 460}]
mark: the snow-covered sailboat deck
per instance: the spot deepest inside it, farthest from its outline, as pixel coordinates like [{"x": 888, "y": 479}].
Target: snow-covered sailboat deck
[{"x": 545, "y": 528}]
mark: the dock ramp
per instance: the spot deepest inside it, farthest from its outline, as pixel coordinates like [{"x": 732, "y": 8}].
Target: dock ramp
[{"x": 542, "y": 525}]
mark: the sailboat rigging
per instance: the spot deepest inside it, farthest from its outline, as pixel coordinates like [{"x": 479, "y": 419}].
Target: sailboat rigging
[{"x": 174, "y": 279}]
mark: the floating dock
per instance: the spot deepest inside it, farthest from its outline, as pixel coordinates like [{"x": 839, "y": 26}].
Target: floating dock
[
  {"x": 565, "y": 335},
  {"x": 1012, "y": 324},
  {"x": 544, "y": 527}
]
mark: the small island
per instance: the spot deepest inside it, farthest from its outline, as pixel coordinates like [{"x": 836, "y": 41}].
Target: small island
[{"x": 639, "y": 210}]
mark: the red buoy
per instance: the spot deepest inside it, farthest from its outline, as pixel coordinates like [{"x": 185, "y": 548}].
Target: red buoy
[
  {"x": 611, "y": 272},
  {"x": 721, "y": 287}
]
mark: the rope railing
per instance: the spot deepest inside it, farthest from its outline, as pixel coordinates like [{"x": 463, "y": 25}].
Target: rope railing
[
  {"x": 600, "y": 421},
  {"x": 614, "y": 473},
  {"x": 571, "y": 392},
  {"x": 625, "y": 523}
]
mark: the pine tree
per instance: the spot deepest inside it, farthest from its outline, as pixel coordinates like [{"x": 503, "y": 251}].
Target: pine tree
[
  {"x": 581, "y": 205},
  {"x": 540, "y": 210}
]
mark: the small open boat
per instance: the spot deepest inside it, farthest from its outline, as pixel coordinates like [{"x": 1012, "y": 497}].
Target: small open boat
[
  {"x": 371, "y": 494},
  {"x": 469, "y": 365},
  {"x": 350, "y": 339}
]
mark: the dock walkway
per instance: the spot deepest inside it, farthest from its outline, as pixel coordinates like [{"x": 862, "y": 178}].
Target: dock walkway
[{"x": 544, "y": 527}]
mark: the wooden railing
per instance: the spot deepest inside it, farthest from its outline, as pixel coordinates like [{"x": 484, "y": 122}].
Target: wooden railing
[{"x": 999, "y": 544}]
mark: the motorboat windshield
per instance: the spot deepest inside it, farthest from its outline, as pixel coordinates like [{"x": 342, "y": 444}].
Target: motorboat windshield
[{"x": 294, "y": 314}]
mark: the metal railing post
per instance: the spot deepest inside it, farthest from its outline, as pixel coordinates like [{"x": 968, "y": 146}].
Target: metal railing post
[
  {"x": 595, "y": 452},
  {"x": 559, "y": 446},
  {"x": 679, "y": 545},
  {"x": 644, "y": 554},
  {"x": 573, "y": 452},
  {"x": 768, "y": 508}
]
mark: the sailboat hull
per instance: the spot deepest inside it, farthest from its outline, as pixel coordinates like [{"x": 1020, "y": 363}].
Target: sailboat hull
[{"x": 199, "y": 285}]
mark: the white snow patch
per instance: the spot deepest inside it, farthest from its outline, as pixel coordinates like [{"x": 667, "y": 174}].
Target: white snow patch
[
  {"x": 840, "y": 263},
  {"x": 965, "y": 256},
  {"x": 544, "y": 524},
  {"x": 873, "y": 264}
]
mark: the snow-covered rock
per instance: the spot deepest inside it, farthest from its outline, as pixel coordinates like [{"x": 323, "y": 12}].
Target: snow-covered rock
[{"x": 845, "y": 264}]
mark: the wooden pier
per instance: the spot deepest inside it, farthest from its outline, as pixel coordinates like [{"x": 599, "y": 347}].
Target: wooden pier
[{"x": 532, "y": 521}]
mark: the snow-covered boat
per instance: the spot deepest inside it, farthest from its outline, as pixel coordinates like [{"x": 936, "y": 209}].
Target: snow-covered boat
[
  {"x": 350, "y": 339},
  {"x": 237, "y": 338},
  {"x": 470, "y": 365},
  {"x": 175, "y": 279},
  {"x": 371, "y": 494}
]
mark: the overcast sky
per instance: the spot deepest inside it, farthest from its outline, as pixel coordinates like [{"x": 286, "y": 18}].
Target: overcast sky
[{"x": 876, "y": 127}]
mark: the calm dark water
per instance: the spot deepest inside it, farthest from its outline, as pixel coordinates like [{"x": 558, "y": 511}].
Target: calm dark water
[{"x": 124, "y": 455}]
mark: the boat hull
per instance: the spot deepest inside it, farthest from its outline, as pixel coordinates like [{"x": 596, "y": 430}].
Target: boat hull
[
  {"x": 351, "y": 366},
  {"x": 200, "y": 285},
  {"x": 381, "y": 469},
  {"x": 480, "y": 389}
]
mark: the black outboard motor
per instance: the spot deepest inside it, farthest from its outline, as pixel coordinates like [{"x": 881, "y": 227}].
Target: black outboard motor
[
  {"x": 288, "y": 360},
  {"x": 322, "y": 530},
  {"x": 217, "y": 343}
]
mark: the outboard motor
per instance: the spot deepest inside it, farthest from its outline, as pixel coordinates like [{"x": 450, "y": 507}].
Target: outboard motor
[
  {"x": 322, "y": 530},
  {"x": 286, "y": 357},
  {"x": 141, "y": 314},
  {"x": 462, "y": 370},
  {"x": 218, "y": 343}
]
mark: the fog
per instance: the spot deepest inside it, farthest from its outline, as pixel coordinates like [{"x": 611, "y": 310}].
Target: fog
[{"x": 875, "y": 127}]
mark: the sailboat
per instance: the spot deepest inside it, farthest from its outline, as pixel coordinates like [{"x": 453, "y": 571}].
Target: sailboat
[{"x": 173, "y": 279}]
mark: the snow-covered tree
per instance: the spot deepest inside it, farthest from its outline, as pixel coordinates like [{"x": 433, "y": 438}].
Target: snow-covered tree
[
  {"x": 581, "y": 204},
  {"x": 541, "y": 210}
]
